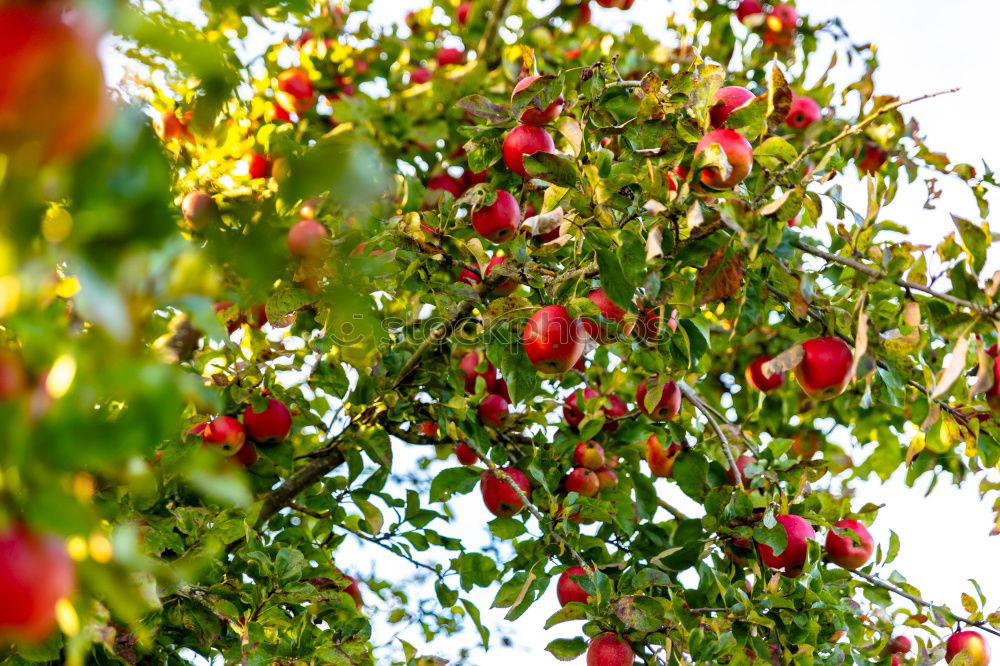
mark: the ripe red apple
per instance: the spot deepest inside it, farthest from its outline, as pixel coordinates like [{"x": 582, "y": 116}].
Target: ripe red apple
[
  {"x": 199, "y": 209},
  {"x": 757, "y": 379},
  {"x": 13, "y": 379},
  {"x": 777, "y": 40},
  {"x": 666, "y": 408},
  {"x": 271, "y": 425},
  {"x": 533, "y": 116},
  {"x": 607, "y": 478},
  {"x": 525, "y": 140},
  {"x": 660, "y": 459},
  {"x": 748, "y": 8},
  {"x": 35, "y": 573},
  {"x": 307, "y": 238},
  {"x": 973, "y": 643},
  {"x": 609, "y": 649},
  {"x": 467, "y": 369},
  {"x": 842, "y": 550},
  {"x": 505, "y": 288},
  {"x": 420, "y": 75},
  {"x": 498, "y": 221},
  {"x": 738, "y": 152},
  {"x": 553, "y": 340},
  {"x": 470, "y": 277},
  {"x": 803, "y": 112},
  {"x": 494, "y": 411},
  {"x": 428, "y": 429},
  {"x": 899, "y": 645},
  {"x": 742, "y": 463},
  {"x": 725, "y": 101},
  {"x": 613, "y": 408},
  {"x": 169, "y": 127},
  {"x": 445, "y": 182},
  {"x": 582, "y": 18},
  {"x": 52, "y": 94},
  {"x": 225, "y": 433},
  {"x": 499, "y": 497},
  {"x": 449, "y": 56},
  {"x": 295, "y": 91},
  {"x": 783, "y": 18},
  {"x": 465, "y": 454},
  {"x": 872, "y": 158},
  {"x": 247, "y": 456},
  {"x": 462, "y": 13},
  {"x": 258, "y": 166},
  {"x": 589, "y": 454},
  {"x": 610, "y": 311},
  {"x": 568, "y": 590},
  {"x": 582, "y": 481},
  {"x": 825, "y": 369},
  {"x": 791, "y": 559}
]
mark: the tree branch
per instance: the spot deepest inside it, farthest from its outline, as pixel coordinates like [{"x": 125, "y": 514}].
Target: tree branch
[
  {"x": 700, "y": 406},
  {"x": 488, "y": 45}
]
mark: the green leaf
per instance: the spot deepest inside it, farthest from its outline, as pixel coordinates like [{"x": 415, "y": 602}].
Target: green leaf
[
  {"x": 552, "y": 168},
  {"x": 774, "y": 153},
  {"x": 373, "y": 517},
  {"x": 566, "y": 649},
  {"x": 691, "y": 473},
  {"x": 640, "y": 613},
  {"x": 506, "y": 528},
  {"x": 473, "y": 611},
  {"x": 616, "y": 286},
  {"x": 571, "y": 611},
  {"x": 480, "y": 106},
  {"x": 453, "y": 481}
]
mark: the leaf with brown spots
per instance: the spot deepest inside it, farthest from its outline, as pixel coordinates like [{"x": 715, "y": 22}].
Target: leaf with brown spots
[{"x": 721, "y": 278}]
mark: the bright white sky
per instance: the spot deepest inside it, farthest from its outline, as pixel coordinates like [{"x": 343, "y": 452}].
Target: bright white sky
[{"x": 923, "y": 47}]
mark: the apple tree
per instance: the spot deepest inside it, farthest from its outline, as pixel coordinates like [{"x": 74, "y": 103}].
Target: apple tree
[{"x": 555, "y": 270}]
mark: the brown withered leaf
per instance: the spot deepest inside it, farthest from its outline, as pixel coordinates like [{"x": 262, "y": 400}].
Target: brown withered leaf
[
  {"x": 654, "y": 241},
  {"x": 860, "y": 343},
  {"x": 721, "y": 278},
  {"x": 954, "y": 369},
  {"x": 783, "y": 362},
  {"x": 984, "y": 375}
]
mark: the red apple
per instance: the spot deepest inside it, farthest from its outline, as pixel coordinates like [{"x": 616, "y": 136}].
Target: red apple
[
  {"x": 271, "y": 425},
  {"x": 748, "y": 8},
  {"x": 607, "y": 478},
  {"x": 420, "y": 75},
  {"x": 428, "y": 429},
  {"x": 791, "y": 559},
  {"x": 449, "y": 56},
  {"x": 525, "y": 140},
  {"x": 499, "y": 497},
  {"x": 803, "y": 112},
  {"x": 614, "y": 407},
  {"x": 465, "y": 454},
  {"x": 661, "y": 460},
  {"x": 725, "y": 101},
  {"x": 553, "y": 340},
  {"x": 825, "y": 369},
  {"x": 899, "y": 645},
  {"x": 462, "y": 13},
  {"x": 610, "y": 311},
  {"x": 777, "y": 40},
  {"x": 13, "y": 379},
  {"x": 467, "y": 369},
  {"x": 664, "y": 409},
  {"x": 494, "y": 411},
  {"x": 757, "y": 379},
  {"x": 498, "y": 221},
  {"x": 532, "y": 115},
  {"x": 582, "y": 481},
  {"x": 783, "y": 18},
  {"x": 445, "y": 182},
  {"x": 843, "y": 551},
  {"x": 505, "y": 288},
  {"x": 247, "y": 456},
  {"x": 168, "y": 127},
  {"x": 307, "y": 238},
  {"x": 741, "y": 464},
  {"x": 582, "y": 18},
  {"x": 470, "y": 277},
  {"x": 199, "y": 209},
  {"x": 568, "y": 590},
  {"x": 295, "y": 91},
  {"x": 588, "y": 454},
  {"x": 35, "y": 573},
  {"x": 258, "y": 166},
  {"x": 224, "y": 433},
  {"x": 872, "y": 158},
  {"x": 973, "y": 643},
  {"x": 609, "y": 649},
  {"x": 738, "y": 152}
]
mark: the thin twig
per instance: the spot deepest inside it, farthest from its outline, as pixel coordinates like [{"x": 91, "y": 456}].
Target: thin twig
[
  {"x": 674, "y": 511},
  {"x": 417, "y": 563},
  {"x": 700, "y": 406}
]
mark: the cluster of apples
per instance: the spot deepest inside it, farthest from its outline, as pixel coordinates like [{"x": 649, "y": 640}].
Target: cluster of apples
[
  {"x": 494, "y": 408},
  {"x": 239, "y": 441},
  {"x": 823, "y": 373},
  {"x": 592, "y": 472},
  {"x": 778, "y": 24}
]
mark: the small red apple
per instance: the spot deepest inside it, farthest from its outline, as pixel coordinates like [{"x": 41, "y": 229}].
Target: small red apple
[
  {"x": 168, "y": 127},
  {"x": 588, "y": 454},
  {"x": 899, "y": 645},
  {"x": 826, "y": 367},
  {"x": 660, "y": 459},
  {"x": 499, "y": 497},
  {"x": 505, "y": 288},
  {"x": 607, "y": 478},
  {"x": 553, "y": 340},
  {"x": 791, "y": 559},
  {"x": 469, "y": 277},
  {"x": 757, "y": 379},
  {"x": 307, "y": 238},
  {"x": 247, "y": 456},
  {"x": 295, "y": 91},
  {"x": 525, "y": 140},
  {"x": 199, "y": 209},
  {"x": 532, "y": 115},
  {"x": 445, "y": 182},
  {"x": 224, "y": 433},
  {"x": 35, "y": 573},
  {"x": 742, "y": 463},
  {"x": 725, "y": 101},
  {"x": 609, "y": 649},
  {"x": 582, "y": 18},
  {"x": 420, "y": 75},
  {"x": 843, "y": 551},
  {"x": 568, "y": 590},
  {"x": 664, "y": 409},
  {"x": 783, "y": 18},
  {"x": 467, "y": 369},
  {"x": 582, "y": 481},
  {"x": 465, "y": 454},
  {"x": 872, "y": 158},
  {"x": 610, "y": 311},
  {"x": 973, "y": 643},
  {"x": 748, "y": 8},
  {"x": 269, "y": 426},
  {"x": 13, "y": 379},
  {"x": 462, "y": 13},
  {"x": 498, "y": 221},
  {"x": 449, "y": 56},
  {"x": 803, "y": 112},
  {"x": 494, "y": 411},
  {"x": 258, "y": 166},
  {"x": 738, "y": 152},
  {"x": 428, "y": 429}
]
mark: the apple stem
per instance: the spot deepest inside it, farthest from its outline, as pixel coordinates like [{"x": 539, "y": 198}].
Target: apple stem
[{"x": 701, "y": 407}]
